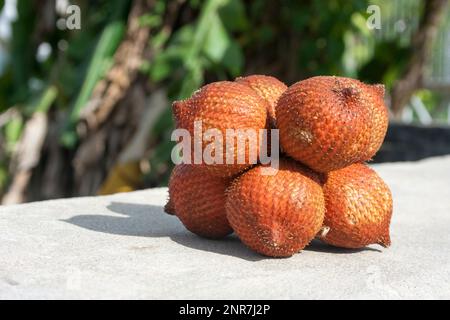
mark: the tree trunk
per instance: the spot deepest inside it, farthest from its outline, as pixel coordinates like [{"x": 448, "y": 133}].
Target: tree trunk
[{"x": 422, "y": 42}]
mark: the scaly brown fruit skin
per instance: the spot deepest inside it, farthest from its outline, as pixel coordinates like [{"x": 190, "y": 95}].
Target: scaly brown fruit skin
[
  {"x": 329, "y": 123},
  {"x": 267, "y": 87},
  {"x": 358, "y": 208},
  {"x": 276, "y": 215},
  {"x": 198, "y": 199},
  {"x": 223, "y": 105},
  {"x": 169, "y": 208}
]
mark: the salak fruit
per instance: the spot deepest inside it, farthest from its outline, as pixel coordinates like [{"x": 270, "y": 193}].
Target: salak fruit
[
  {"x": 329, "y": 122},
  {"x": 169, "y": 208},
  {"x": 328, "y": 126},
  {"x": 220, "y": 106},
  {"x": 198, "y": 199},
  {"x": 269, "y": 88},
  {"x": 276, "y": 215},
  {"x": 358, "y": 208}
]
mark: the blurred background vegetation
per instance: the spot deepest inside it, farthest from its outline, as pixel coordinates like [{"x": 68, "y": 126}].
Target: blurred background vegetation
[{"x": 87, "y": 111}]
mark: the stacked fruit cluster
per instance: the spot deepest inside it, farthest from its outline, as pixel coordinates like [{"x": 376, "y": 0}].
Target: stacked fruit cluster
[{"x": 328, "y": 126}]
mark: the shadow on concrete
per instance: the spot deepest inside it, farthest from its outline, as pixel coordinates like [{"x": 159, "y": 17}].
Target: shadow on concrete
[
  {"x": 319, "y": 246},
  {"x": 141, "y": 220}
]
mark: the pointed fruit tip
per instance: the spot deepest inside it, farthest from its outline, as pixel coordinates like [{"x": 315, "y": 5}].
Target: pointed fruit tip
[
  {"x": 385, "y": 240},
  {"x": 379, "y": 89},
  {"x": 177, "y": 108},
  {"x": 169, "y": 207}
]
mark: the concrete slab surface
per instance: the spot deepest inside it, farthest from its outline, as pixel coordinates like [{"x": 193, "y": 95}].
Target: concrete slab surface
[{"x": 124, "y": 246}]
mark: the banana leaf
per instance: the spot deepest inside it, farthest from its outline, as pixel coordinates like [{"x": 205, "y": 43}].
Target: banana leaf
[{"x": 100, "y": 63}]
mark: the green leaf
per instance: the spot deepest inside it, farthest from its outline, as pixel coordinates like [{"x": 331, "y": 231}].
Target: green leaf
[
  {"x": 207, "y": 17},
  {"x": 106, "y": 47},
  {"x": 185, "y": 35},
  {"x": 160, "y": 69},
  {"x": 159, "y": 40},
  {"x": 217, "y": 40},
  {"x": 100, "y": 62},
  {"x": 13, "y": 130},
  {"x": 150, "y": 20},
  {"x": 47, "y": 99},
  {"x": 69, "y": 138},
  {"x": 359, "y": 21},
  {"x": 233, "y": 15},
  {"x": 192, "y": 80},
  {"x": 3, "y": 177},
  {"x": 234, "y": 59},
  {"x": 22, "y": 50}
]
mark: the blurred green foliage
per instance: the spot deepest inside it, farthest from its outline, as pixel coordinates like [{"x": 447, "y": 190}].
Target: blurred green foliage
[{"x": 208, "y": 41}]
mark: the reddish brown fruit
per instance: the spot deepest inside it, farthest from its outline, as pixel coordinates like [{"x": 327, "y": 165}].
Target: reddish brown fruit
[
  {"x": 267, "y": 87},
  {"x": 358, "y": 208},
  {"x": 329, "y": 123},
  {"x": 198, "y": 200},
  {"x": 223, "y": 105},
  {"x": 276, "y": 215},
  {"x": 169, "y": 208}
]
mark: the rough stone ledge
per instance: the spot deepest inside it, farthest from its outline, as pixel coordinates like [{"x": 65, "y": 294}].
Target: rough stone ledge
[{"x": 124, "y": 246}]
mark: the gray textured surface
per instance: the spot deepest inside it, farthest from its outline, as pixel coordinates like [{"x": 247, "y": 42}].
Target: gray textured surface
[{"x": 124, "y": 246}]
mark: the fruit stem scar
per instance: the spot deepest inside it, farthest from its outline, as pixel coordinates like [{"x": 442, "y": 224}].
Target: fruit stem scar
[
  {"x": 323, "y": 232},
  {"x": 177, "y": 107},
  {"x": 385, "y": 241}
]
